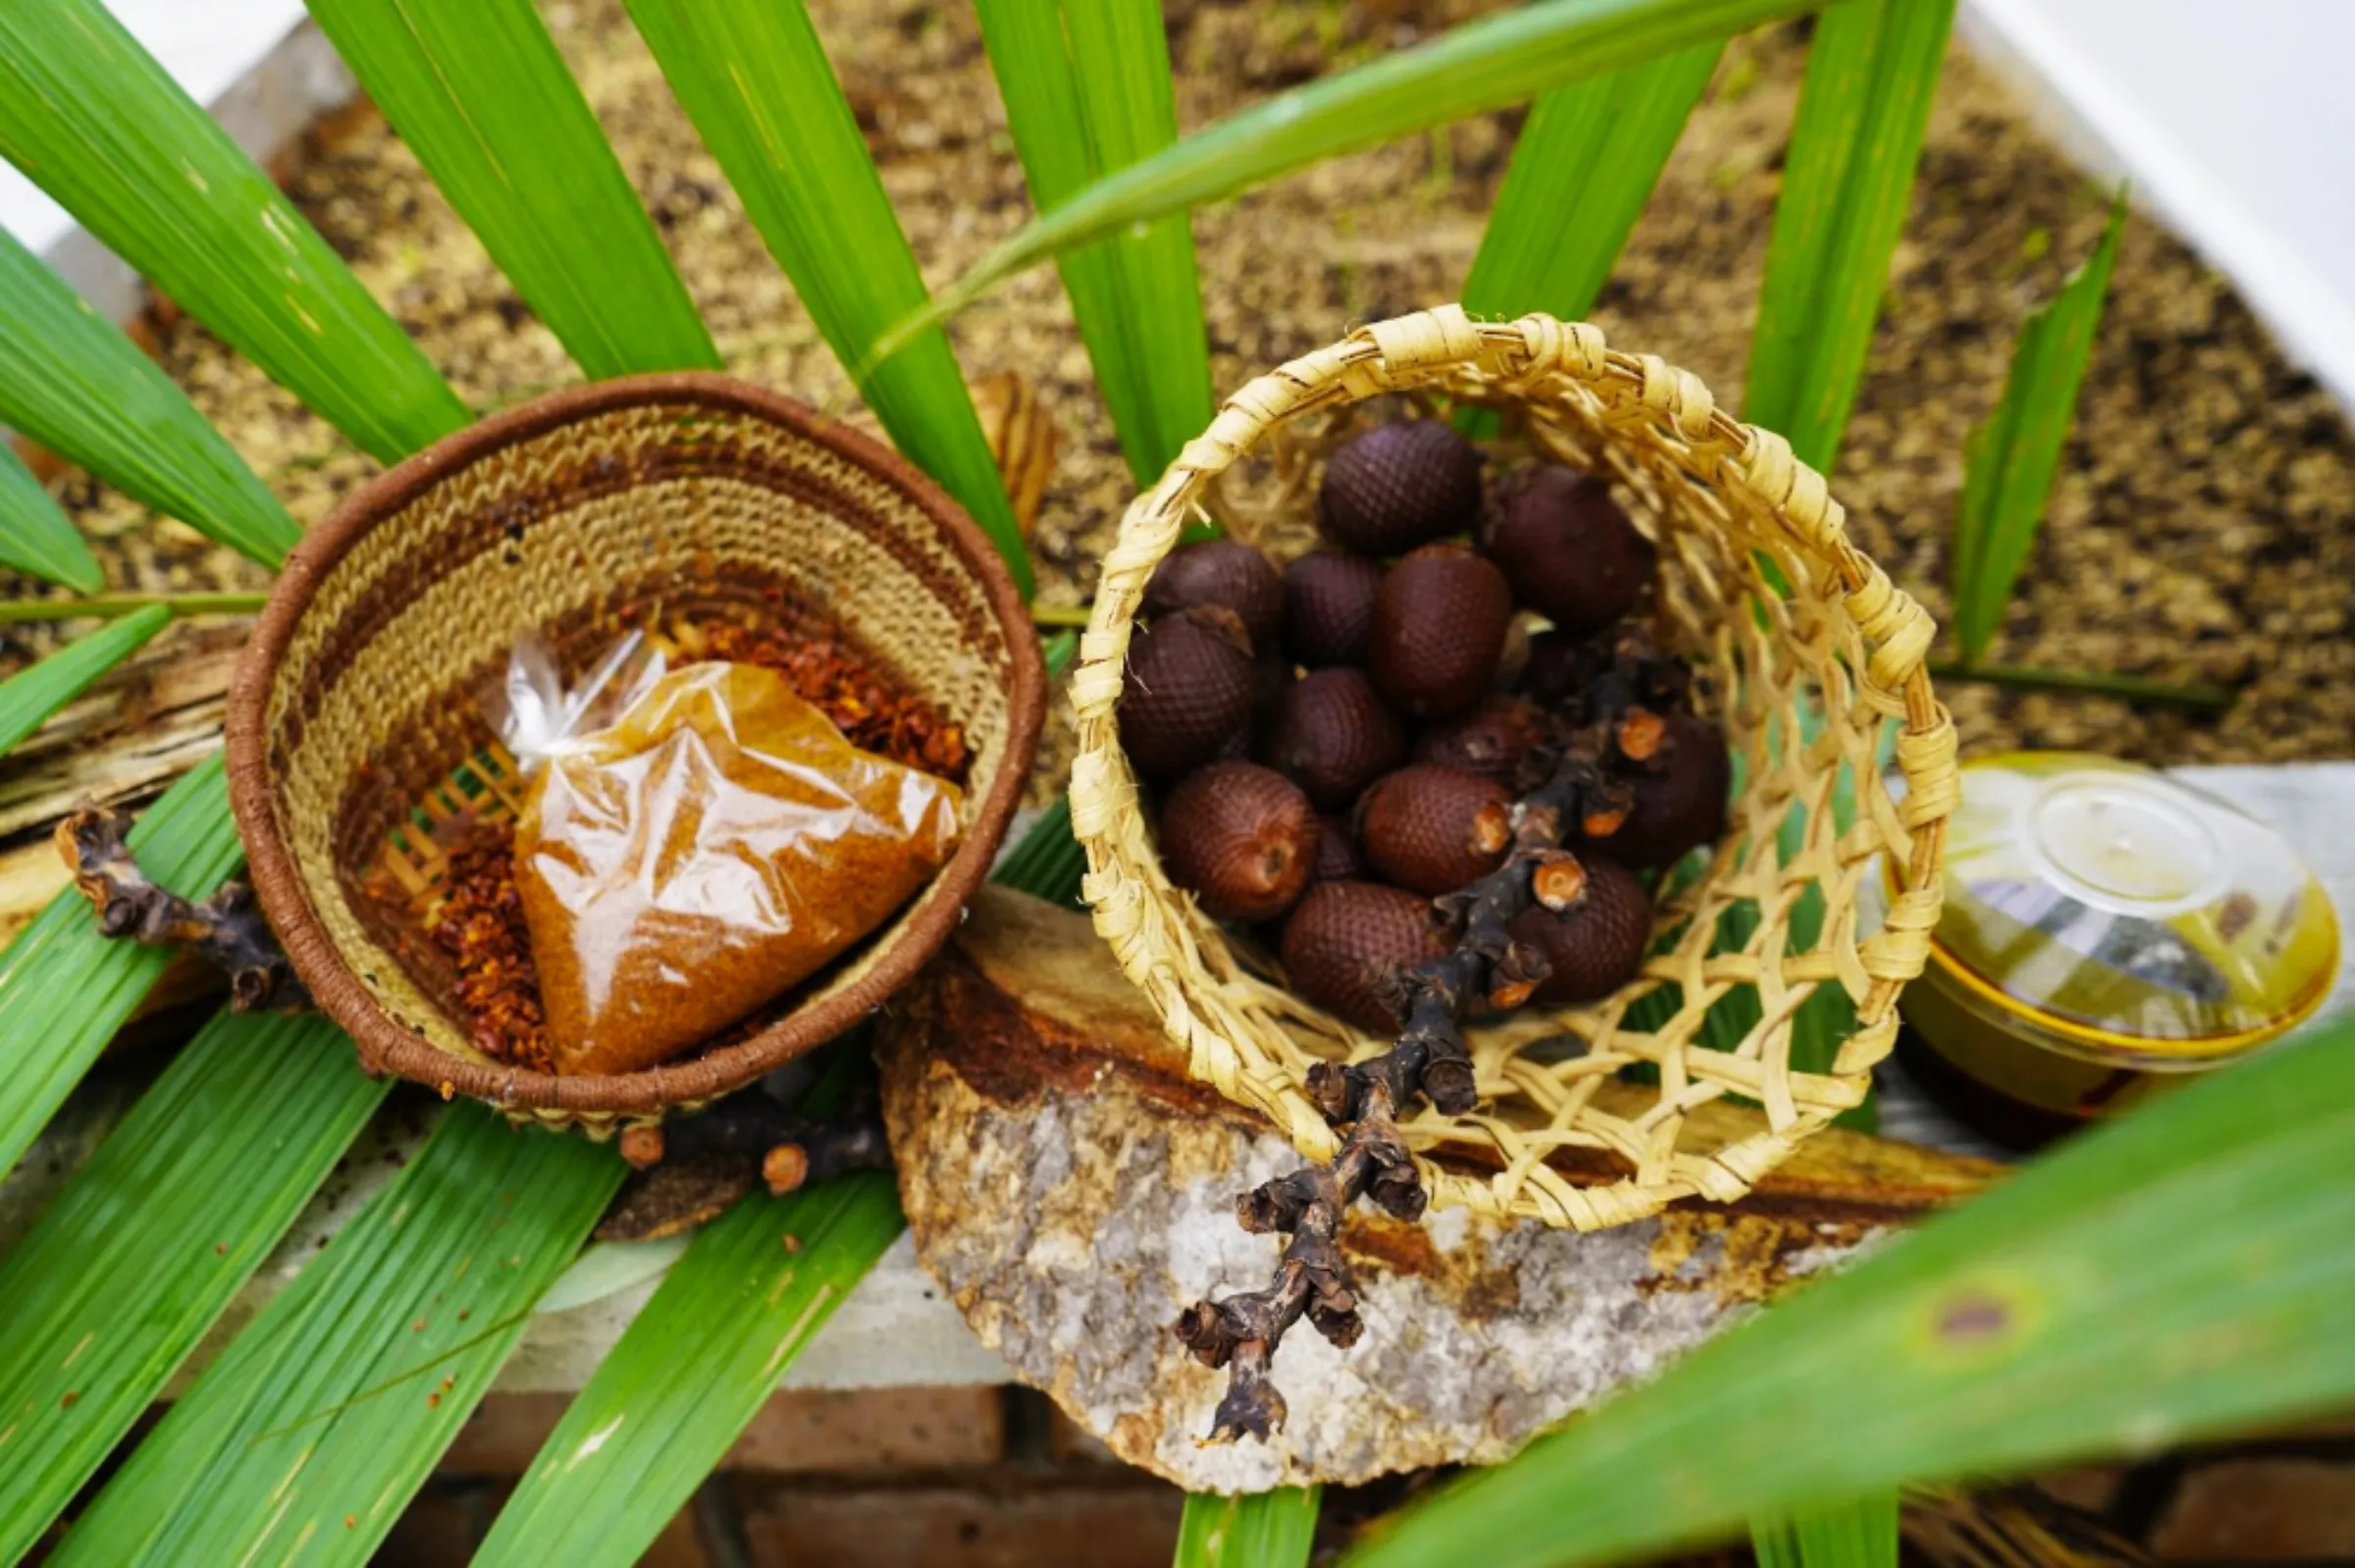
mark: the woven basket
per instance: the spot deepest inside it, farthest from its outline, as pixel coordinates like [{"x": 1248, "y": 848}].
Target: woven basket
[
  {"x": 356, "y": 705},
  {"x": 1831, "y": 661}
]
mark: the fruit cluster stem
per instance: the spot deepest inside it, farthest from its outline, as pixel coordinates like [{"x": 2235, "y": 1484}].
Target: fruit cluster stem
[
  {"x": 226, "y": 928},
  {"x": 1430, "y": 1060}
]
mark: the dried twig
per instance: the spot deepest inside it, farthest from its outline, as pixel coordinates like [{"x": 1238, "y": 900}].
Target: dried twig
[
  {"x": 226, "y": 928},
  {"x": 1486, "y": 967},
  {"x": 695, "y": 1166}
]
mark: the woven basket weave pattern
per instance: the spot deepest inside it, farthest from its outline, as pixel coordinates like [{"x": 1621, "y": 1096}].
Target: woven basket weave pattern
[
  {"x": 1834, "y": 659},
  {"x": 575, "y": 529}
]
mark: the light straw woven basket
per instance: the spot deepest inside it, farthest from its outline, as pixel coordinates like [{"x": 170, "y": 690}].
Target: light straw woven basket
[
  {"x": 1802, "y": 683},
  {"x": 356, "y": 717}
]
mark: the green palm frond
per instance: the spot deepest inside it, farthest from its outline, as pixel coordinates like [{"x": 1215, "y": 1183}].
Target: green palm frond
[
  {"x": 29, "y": 696},
  {"x": 36, "y": 536},
  {"x": 2179, "y": 1272},
  {"x": 310, "y": 1434},
  {"x": 1087, "y": 92},
  {"x": 1258, "y": 1530},
  {"x": 1847, "y": 180},
  {"x": 2012, "y": 458},
  {"x": 65, "y": 989},
  {"x": 149, "y": 1241},
  {"x": 78, "y": 385},
  {"x": 477, "y": 89},
  {"x": 754, "y": 78},
  {"x": 92, "y": 118},
  {"x": 1586, "y": 162},
  {"x": 1505, "y": 59}
]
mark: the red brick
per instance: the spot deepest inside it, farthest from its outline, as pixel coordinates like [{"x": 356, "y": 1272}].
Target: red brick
[
  {"x": 802, "y": 1430},
  {"x": 1119, "y": 1524},
  {"x": 2261, "y": 1510},
  {"x": 442, "y": 1524},
  {"x": 825, "y": 1430},
  {"x": 680, "y": 1545},
  {"x": 504, "y": 1434},
  {"x": 1071, "y": 1444}
]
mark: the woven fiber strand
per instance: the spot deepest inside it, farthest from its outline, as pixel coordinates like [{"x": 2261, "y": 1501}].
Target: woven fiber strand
[
  {"x": 578, "y": 516},
  {"x": 1804, "y": 683}
]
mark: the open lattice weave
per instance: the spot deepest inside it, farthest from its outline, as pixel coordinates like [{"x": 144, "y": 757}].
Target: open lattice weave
[{"x": 1804, "y": 682}]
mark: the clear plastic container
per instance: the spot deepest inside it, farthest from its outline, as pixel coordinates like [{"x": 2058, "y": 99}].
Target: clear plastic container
[{"x": 2107, "y": 930}]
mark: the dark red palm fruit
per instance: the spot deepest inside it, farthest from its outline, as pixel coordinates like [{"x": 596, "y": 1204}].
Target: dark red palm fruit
[
  {"x": 1187, "y": 690},
  {"x": 1490, "y": 741},
  {"x": 1224, "y": 572},
  {"x": 1569, "y": 549},
  {"x": 1329, "y": 733},
  {"x": 1241, "y": 838},
  {"x": 1440, "y": 621},
  {"x": 1595, "y": 945},
  {"x": 1398, "y": 485},
  {"x": 1345, "y": 943},
  {"x": 1679, "y": 796},
  {"x": 1328, "y": 608},
  {"x": 1337, "y": 859},
  {"x": 1433, "y": 829}
]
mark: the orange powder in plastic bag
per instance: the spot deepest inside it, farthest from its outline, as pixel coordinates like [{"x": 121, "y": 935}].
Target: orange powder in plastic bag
[{"x": 711, "y": 850}]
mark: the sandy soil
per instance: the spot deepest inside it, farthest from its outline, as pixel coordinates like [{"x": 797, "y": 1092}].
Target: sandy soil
[{"x": 2204, "y": 528}]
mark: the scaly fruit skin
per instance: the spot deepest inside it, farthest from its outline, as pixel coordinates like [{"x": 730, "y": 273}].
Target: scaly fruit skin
[
  {"x": 1569, "y": 549},
  {"x": 1434, "y": 829},
  {"x": 1398, "y": 485},
  {"x": 1241, "y": 838},
  {"x": 1328, "y": 608},
  {"x": 1595, "y": 945},
  {"x": 1346, "y": 941},
  {"x": 1679, "y": 797},
  {"x": 1187, "y": 690},
  {"x": 1226, "y": 573},
  {"x": 1330, "y": 734},
  {"x": 1337, "y": 857},
  {"x": 1490, "y": 741},
  {"x": 1440, "y": 621}
]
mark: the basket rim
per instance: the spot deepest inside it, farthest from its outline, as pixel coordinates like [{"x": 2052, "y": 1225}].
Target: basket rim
[
  {"x": 1159, "y": 936},
  {"x": 384, "y": 1045}
]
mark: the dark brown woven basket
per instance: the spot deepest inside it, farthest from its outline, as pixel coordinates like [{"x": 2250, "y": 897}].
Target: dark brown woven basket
[{"x": 356, "y": 703}]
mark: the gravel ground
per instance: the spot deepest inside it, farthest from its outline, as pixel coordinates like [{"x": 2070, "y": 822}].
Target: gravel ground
[{"x": 2204, "y": 528}]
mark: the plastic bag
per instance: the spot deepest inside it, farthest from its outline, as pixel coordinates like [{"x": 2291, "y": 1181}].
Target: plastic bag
[{"x": 715, "y": 846}]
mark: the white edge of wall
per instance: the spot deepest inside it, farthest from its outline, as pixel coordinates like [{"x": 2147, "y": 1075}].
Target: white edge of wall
[
  {"x": 293, "y": 79},
  {"x": 2080, "y": 105}
]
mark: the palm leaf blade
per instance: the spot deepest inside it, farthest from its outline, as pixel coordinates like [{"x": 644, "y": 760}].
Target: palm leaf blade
[
  {"x": 480, "y": 92},
  {"x": 1862, "y": 1535},
  {"x": 1087, "y": 92},
  {"x": 1503, "y": 59},
  {"x": 146, "y": 1244},
  {"x": 75, "y": 385},
  {"x": 753, "y": 78},
  {"x": 36, "y": 536},
  {"x": 691, "y": 1371},
  {"x": 2012, "y": 458},
  {"x": 65, "y": 989},
  {"x": 336, "y": 1402},
  {"x": 92, "y": 118},
  {"x": 29, "y": 696},
  {"x": 1587, "y": 161},
  {"x": 1847, "y": 180},
  {"x": 2179, "y": 1272},
  {"x": 1259, "y": 1530}
]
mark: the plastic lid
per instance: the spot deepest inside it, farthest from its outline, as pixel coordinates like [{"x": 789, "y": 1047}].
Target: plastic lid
[{"x": 2121, "y": 911}]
